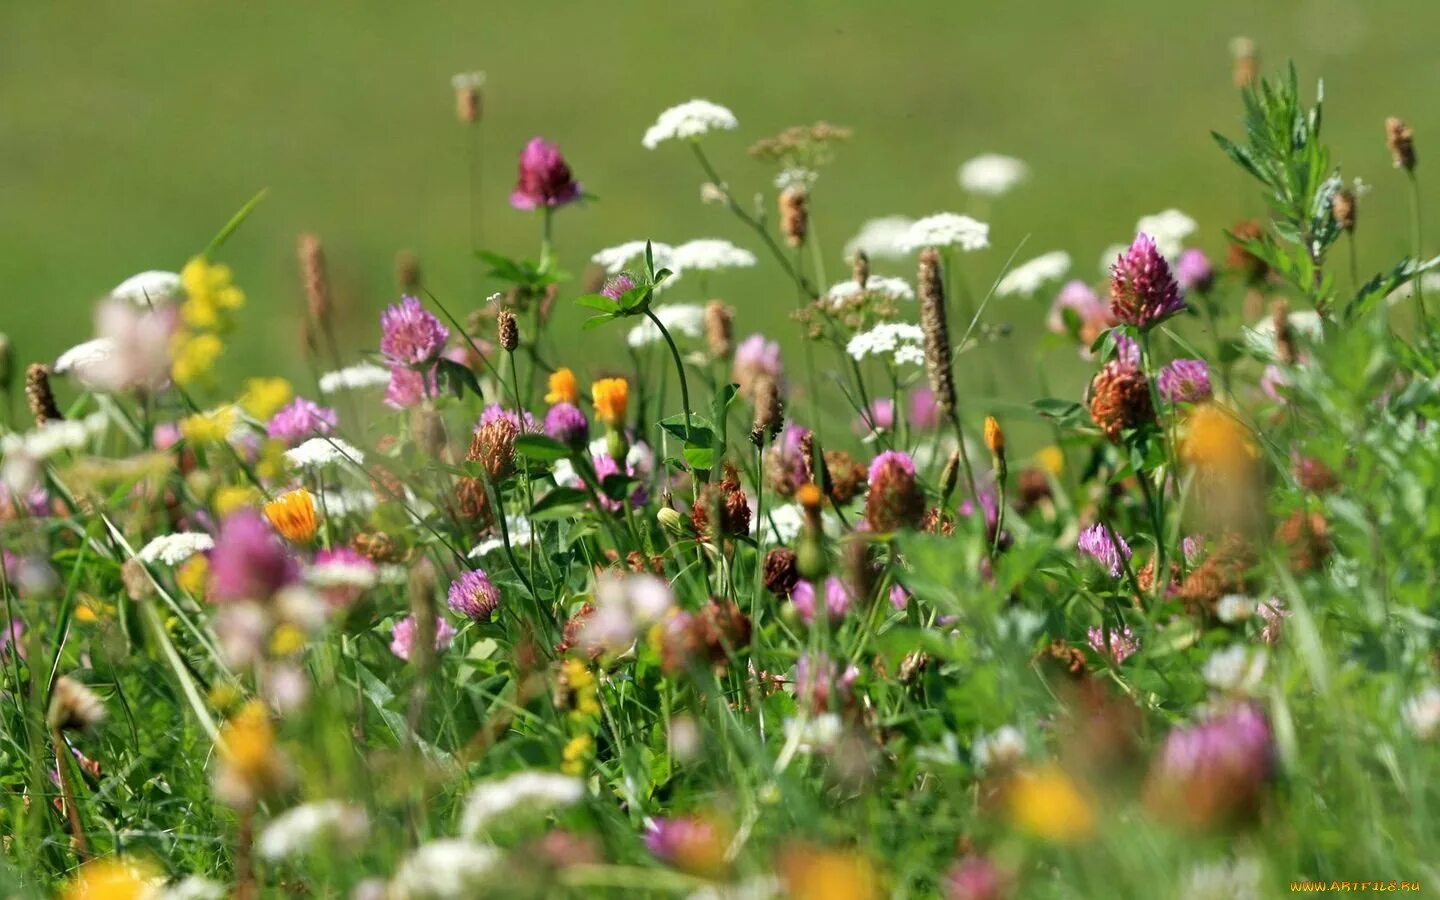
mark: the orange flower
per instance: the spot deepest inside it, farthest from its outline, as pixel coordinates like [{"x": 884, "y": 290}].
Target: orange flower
[
  {"x": 293, "y": 515},
  {"x": 815, "y": 873},
  {"x": 1218, "y": 442},
  {"x": 1045, "y": 803},
  {"x": 563, "y": 388},
  {"x": 612, "y": 398}
]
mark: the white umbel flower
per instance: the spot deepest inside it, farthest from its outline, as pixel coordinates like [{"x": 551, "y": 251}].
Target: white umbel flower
[
  {"x": 323, "y": 451},
  {"x": 1169, "y": 229},
  {"x": 709, "y": 254},
  {"x": 521, "y": 532},
  {"x": 992, "y": 174},
  {"x": 467, "y": 81},
  {"x": 444, "y": 869},
  {"x": 173, "y": 549},
  {"x": 524, "y": 793},
  {"x": 1422, "y": 713},
  {"x": 299, "y": 830},
  {"x": 900, "y": 342},
  {"x": 1003, "y": 747},
  {"x": 816, "y": 734},
  {"x": 782, "y": 524},
  {"x": 881, "y": 238},
  {"x": 347, "y": 501},
  {"x": 946, "y": 230},
  {"x": 23, "y": 454},
  {"x": 149, "y": 288},
  {"x": 688, "y": 120},
  {"x": 354, "y": 378},
  {"x": 342, "y": 573},
  {"x": 83, "y": 361},
  {"x": 614, "y": 259},
  {"x": 679, "y": 319},
  {"x": 1224, "y": 880},
  {"x": 1029, "y": 277},
  {"x": 894, "y": 288},
  {"x": 1237, "y": 669}
]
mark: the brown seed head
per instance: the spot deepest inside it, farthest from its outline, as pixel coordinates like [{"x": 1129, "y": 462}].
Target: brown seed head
[
  {"x": 1342, "y": 205},
  {"x": 313, "y": 276},
  {"x": 1400, "y": 138},
  {"x": 73, "y": 706},
  {"x": 845, "y": 476},
  {"x": 378, "y": 547},
  {"x": 407, "y": 272},
  {"x": 507, "y": 330},
  {"x": 39, "y": 396},
  {"x": 795, "y": 215},
  {"x": 769, "y": 411},
  {"x": 861, "y": 269},
  {"x": 937, "y": 332},
  {"x": 719, "y": 330},
  {"x": 7, "y": 364},
  {"x": 1284, "y": 334},
  {"x": 780, "y": 572},
  {"x": 1246, "y": 62},
  {"x": 493, "y": 446},
  {"x": 1251, "y": 267}
]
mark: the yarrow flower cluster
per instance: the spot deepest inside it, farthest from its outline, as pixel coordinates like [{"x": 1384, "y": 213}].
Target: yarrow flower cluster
[
  {"x": 946, "y": 230},
  {"x": 881, "y": 238},
  {"x": 992, "y": 174},
  {"x": 1028, "y": 277},
  {"x": 709, "y": 254},
  {"x": 680, "y": 319},
  {"x": 882, "y": 285},
  {"x": 173, "y": 549},
  {"x": 899, "y": 342},
  {"x": 689, "y": 120}
]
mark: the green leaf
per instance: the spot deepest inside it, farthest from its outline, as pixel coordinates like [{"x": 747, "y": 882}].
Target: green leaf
[
  {"x": 455, "y": 377},
  {"x": 596, "y": 322},
  {"x": 597, "y": 301},
  {"x": 235, "y": 222},
  {"x": 617, "y": 486},
  {"x": 540, "y": 447},
  {"x": 558, "y": 504},
  {"x": 698, "y": 433}
]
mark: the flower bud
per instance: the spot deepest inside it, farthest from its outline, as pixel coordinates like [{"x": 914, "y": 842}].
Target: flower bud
[
  {"x": 672, "y": 521},
  {"x": 1400, "y": 138},
  {"x": 795, "y": 215},
  {"x": 1342, "y": 205},
  {"x": 949, "y": 477}
]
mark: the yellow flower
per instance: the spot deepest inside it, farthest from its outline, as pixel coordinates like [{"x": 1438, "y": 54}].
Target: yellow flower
[
  {"x": 612, "y": 398},
  {"x": 224, "y": 695},
  {"x": 1052, "y": 460},
  {"x": 211, "y": 427},
  {"x": 1215, "y": 440},
  {"x": 113, "y": 878},
  {"x": 293, "y": 515},
  {"x": 263, "y": 397},
  {"x": 563, "y": 388},
  {"x": 584, "y": 689},
  {"x": 813, "y": 873},
  {"x": 247, "y": 746},
  {"x": 209, "y": 292},
  {"x": 575, "y": 754},
  {"x": 193, "y": 356},
  {"x": 231, "y": 497},
  {"x": 287, "y": 639},
  {"x": 271, "y": 463},
  {"x": 1045, "y": 803},
  {"x": 193, "y": 574}
]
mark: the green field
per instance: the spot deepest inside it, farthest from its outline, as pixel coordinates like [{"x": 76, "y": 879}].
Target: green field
[{"x": 130, "y": 132}]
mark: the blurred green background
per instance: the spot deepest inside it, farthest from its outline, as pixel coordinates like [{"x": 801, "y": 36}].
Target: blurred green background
[{"x": 129, "y": 132}]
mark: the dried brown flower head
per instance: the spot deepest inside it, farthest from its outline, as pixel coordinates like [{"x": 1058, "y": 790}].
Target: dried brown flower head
[
  {"x": 1306, "y": 539},
  {"x": 1120, "y": 399},
  {"x": 780, "y": 574},
  {"x": 719, "y": 330},
  {"x": 795, "y": 215},
  {"x": 1400, "y": 138},
  {"x": 313, "y": 276},
  {"x": 1240, "y": 260},
  {"x": 38, "y": 395},
  {"x": 846, "y": 476},
  {"x": 73, "y": 706},
  {"x": 931, "y": 292},
  {"x": 493, "y": 446}
]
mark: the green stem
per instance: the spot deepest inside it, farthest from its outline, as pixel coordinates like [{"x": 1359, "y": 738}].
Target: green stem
[{"x": 684, "y": 385}]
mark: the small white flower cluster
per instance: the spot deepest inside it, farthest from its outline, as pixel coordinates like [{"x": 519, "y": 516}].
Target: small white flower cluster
[
  {"x": 680, "y": 319},
  {"x": 530, "y": 793},
  {"x": 796, "y": 177},
  {"x": 946, "y": 230},
  {"x": 709, "y": 254},
  {"x": 816, "y": 734},
  {"x": 1001, "y": 748},
  {"x": 894, "y": 288},
  {"x": 149, "y": 288},
  {"x": 1233, "y": 608},
  {"x": 1422, "y": 713},
  {"x": 173, "y": 549},
  {"x": 1223, "y": 880},
  {"x": 301, "y": 829},
  {"x": 80, "y": 359},
  {"x": 446, "y": 868},
  {"x": 354, "y": 378},
  {"x": 781, "y": 524},
  {"x": 992, "y": 174},
  {"x": 323, "y": 451},
  {"x": 346, "y": 501},
  {"x": 1029, "y": 277},
  {"x": 341, "y": 573},
  {"x": 689, "y": 120},
  {"x": 1237, "y": 669},
  {"x": 881, "y": 238},
  {"x": 625, "y": 605},
  {"x": 902, "y": 342},
  {"x": 23, "y": 453},
  {"x": 521, "y": 534},
  {"x": 614, "y": 259},
  {"x": 467, "y": 81},
  {"x": 1169, "y": 229}
]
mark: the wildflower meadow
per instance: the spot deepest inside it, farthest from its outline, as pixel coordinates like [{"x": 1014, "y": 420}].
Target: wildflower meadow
[{"x": 687, "y": 610}]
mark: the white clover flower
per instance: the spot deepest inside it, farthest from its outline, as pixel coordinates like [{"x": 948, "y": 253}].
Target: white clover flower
[
  {"x": 298, "y": 830},
  {"x": 523, "y": 793},
  {"x": 446, "y": 868},
  {"x": 1169, "y": 229},
  {"x": 709, "y": 254},
  {"x": 992, "y": 174},
  {"x": 1001, "y": 748},
  {"x": 614, "y": 259},
  {"x": 639, "y": 457},
  {"x": 149, "y": 288},
  {"x": 1236, "y": 669},
  {"x": 82, "y": 361},
  {"x": 894, "y": 288},
  {"x": 1223, "y": 880},
  {"x": 688, "y": 120},
  {"x": 881, "y": 238},
  {"x": 946, "y": 230},
  {"x": 680, "y": 319},
  {"x": 781, "y": 524},
  {"x": 625, "y": 605},
  {"x": 1422, "y": 713},
  {"x": 521, "y": 533},
  {"x": 816, "y": 734},
  {"x": 354, "y": 378},
  {"x": 901, "y": 342},
  {"x": 1029, "y": 277},
  {"x": 173, "y": 549},
  {"x": 322, "y": 451},
  {"x": 1234, "y": 608}
]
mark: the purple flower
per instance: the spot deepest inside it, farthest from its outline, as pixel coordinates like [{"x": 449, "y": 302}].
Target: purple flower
[
  {"x": 410, "y": 334},
  {"x": 1127, "y": 351},
  {"x": 816, "y": 677},
  {"x": 1080, "y": 298},
  {"x": 974, "y": 877},
  {"x": 605, "y": 466},
  {"x": 1273, "y": 383},
  {"x": 1099, "y": 542},
  {"x": 837, "y": 600},
  {"x": 1143, "y": 293},
  {"x": 1193, "y": 271},
  {"x": 402, "y": 638},
  {"x": 786, "y": 460},
  {"x": 567, "y": 424},
  {"x": 880, "y": 417},
  {"x": 891, "y": 463},
  {"x": 894, "y": 500},
  {"x": 672, "y": 839},
  {"x": 617, "y": 286},
  {"x": 924, "y": 411},
  {"x": 1185, "y": 381},
  {"x": 342, "y": 575},
  {"x": 474, "y": 596},
  {"x": 409, "y": 387},
  {"x": 1213, "y": 771},
  {"x": 300, "y": 420},
  {"x": 755, "y": 357},
  {"x": 1123, "y": 643},
  {"x": 13, "y": 636},
  {"x": 899, "y": 597},
  {"x": 544, "y": 179},
  {"x": 249, "y": 561},
  {"x": 523, "y": 421}
]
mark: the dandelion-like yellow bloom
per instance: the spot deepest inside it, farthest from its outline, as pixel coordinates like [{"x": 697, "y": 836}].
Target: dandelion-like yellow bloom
[
  {"x": 576, "y": 751},
  {"x": 231, "y": 497},
  {"x": 113, "y": 878},
  {"x": 1215, "y": 440},
  {"x": 263, "y": 397},
  {"x": 193, "y": 356},
  {"x": 193, "y": 575},
  {"x": 286, "y": 639},
  {"x": 563, "y": 388},
  {"x": 210, "y": 292},
  {"x": 1046, "y": 803},
  {"x": 210, "y": 427},
  {"x": 612, "y": 399},
  {"x": 813, "y": 873},
  {"x": 293, "y": 515},
  {"x": 1051, "y": 459}
]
